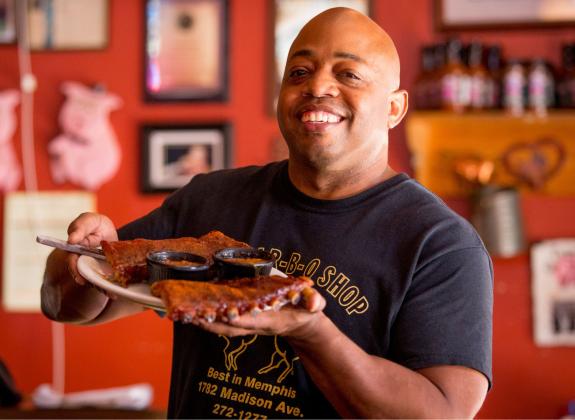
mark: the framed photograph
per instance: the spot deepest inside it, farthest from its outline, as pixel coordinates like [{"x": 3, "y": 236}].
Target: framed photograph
[
  {"x": 174, "y": 154},
  {"x": 186, "y": 56},
  {"x": 289, "y": 17},
  {"x": 68, "y": 24},
  {"x": 7, "y": 22},
  {"x": 503, "y": 14},
  {"x": 553, "y": 290}
]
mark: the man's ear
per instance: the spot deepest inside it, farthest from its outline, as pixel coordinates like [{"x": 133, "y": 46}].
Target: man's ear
[{"x": 398, "y": 107}]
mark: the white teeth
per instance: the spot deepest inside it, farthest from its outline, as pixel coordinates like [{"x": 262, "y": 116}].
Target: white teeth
[{"x": 319, "y": 116}]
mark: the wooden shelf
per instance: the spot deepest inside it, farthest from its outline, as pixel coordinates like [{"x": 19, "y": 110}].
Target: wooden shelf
[{"x": 437, "y": 140}]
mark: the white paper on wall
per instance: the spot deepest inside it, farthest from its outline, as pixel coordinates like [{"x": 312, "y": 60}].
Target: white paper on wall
[
  {"x": 553, "y": 292},
  {"x": 27, "y": 215}
]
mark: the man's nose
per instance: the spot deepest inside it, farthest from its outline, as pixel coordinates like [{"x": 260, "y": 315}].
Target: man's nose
[{"x": 321, "y": 84}]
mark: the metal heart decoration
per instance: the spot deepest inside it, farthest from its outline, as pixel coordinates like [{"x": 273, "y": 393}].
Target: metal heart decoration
[{"x": 535, "y": 162}]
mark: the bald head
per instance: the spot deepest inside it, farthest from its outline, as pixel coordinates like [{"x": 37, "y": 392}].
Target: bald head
[{"x": 367, "y": 41}]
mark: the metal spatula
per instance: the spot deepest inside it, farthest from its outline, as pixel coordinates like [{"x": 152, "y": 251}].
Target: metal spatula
[{"x": 77, "y": 249}]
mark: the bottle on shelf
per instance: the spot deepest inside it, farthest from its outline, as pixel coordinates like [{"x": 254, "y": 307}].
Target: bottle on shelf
[
  {"x": 424, "y": 82},
  {"x": 566, "y": 85},
  {"x": 478, "y": 77},
  {"x": 541, "y": 87},
  {"x": 493, "y": 90},
  {"x": 455, "y": 85},
  {"x": 514, "y": 88}
]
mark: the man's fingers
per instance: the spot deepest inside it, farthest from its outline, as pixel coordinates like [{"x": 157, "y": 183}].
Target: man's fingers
[
  {"x": 312, "y": 300},
  {"x": 89, "y": 229},
  {"x": 221, "y": 328},
  {"x": 71, "y": 263}
]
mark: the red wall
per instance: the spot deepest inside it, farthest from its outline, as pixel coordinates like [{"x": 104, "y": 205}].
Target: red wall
[{"x": 529, "y": 381}]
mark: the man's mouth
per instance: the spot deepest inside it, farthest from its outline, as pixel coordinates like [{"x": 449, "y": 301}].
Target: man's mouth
[{"x": 320, "y": 117}]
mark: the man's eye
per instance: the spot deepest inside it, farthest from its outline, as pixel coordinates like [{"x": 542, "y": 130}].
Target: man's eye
[
  {"x": 297, "y": 73},
  {"x": 350, "y": 75}
]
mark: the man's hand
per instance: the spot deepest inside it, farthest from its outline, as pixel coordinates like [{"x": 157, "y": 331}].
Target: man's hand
[
  {"x": 290, "y": 321},
  {"x": 89, "y": 229}
]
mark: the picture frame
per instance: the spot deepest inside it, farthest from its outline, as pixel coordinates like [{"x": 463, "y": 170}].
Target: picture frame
[
  {"x": 7, "y": 22},
  {"x": 553, "y": 292},
  {"x": 68, "y": 24},
  {"x": 186, "y": 50},
  {"x": 289, "y": 16},
  {"x": 460, "y": 15},
  {"x": 172, "y": 154}
]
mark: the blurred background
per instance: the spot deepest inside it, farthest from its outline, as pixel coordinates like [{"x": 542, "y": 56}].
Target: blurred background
[{"x": 454, "y": 143}]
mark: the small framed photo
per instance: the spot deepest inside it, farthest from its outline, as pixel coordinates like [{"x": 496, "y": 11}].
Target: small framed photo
[
  {"x": 498, "y": 14},
  {"x": 173, "y": 154},
  {"x": 553, "y": 290},
  {"x": 186, "y": 57},
  {"x": 289, "y": 17},
  {"x": 68, "y": 24},
  {"x": 7, "y": 22}
]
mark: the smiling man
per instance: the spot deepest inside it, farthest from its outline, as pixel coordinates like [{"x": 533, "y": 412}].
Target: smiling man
[{"x": 399, "y": 321}]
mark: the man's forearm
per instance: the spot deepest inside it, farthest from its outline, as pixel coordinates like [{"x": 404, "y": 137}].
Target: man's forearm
[
  {"x": 63, "y": 299},
  {"x": 360, "y": 385}
]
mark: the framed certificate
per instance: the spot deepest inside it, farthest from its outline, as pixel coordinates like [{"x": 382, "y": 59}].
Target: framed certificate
[
  {"x": 7, "y": 22},
  {"x": 186, "y": 50}
]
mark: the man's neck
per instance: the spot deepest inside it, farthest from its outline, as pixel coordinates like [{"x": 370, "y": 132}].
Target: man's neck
[{"x": 336, "y": 184}]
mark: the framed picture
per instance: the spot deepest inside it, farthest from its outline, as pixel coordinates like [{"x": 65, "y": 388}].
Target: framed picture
[
  {"x": 7, "y": 22},
  {"x": 503, "y": 14},
  {"x": 553, "y": 290},
  {"x": 68, "y": 24},
  {"x": 289, "y": 17},
  {"x": 186, "y": 57},
  {"x": 174, "y": 154}
]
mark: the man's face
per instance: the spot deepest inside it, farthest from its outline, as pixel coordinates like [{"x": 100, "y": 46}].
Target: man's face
[{"x": 334, "y": 100}]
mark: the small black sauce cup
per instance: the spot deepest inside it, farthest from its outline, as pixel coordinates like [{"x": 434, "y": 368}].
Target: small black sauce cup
[
  {"x": 174, "y": 265},
  {"x": 232, "y": 263}
]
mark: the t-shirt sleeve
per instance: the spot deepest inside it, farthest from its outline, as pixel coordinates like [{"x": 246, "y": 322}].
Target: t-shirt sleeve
[{"x": 446, "y": 318}]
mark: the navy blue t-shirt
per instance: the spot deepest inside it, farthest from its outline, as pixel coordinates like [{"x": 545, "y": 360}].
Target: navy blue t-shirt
[{"x": 404, "y": 277}]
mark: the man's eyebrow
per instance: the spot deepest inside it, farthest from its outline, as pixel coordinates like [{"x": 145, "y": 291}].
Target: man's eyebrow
[{"x": 337, "y": 54}]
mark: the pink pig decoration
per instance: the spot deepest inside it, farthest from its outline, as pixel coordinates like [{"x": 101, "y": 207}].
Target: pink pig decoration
[
  {"x": 10, "y": 171},
  {"x": 87, "y": 153}
]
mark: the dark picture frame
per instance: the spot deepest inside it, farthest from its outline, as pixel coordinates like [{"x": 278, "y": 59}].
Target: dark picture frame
[
  {"x": 461, "y": 15},
  {"x": 288, "y": 17},
  {"x": 7, "y": 22},
  {"x": 172, "y": 154},
  {"x": 68, "y": 25},
  {"x": 186, "y": 50}
]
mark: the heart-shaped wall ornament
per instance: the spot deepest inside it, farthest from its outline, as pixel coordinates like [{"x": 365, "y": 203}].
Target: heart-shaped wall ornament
[{"x": 534, "y": 163}]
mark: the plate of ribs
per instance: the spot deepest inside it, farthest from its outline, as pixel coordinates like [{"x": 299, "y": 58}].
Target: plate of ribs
[{"x": 124, "y": 273}]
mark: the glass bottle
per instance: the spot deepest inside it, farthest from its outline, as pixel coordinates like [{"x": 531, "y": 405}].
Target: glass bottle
[
  {"x": 566, "y": 85},
  {"x": 493, "y": 82},
  {"x": 541, "y": 87},
  {"x": 423, "y": 83},
  {"x": 514, "y": 87},
  {"x": 455, "y": 86},
  {"x": 477, "y": 77}
]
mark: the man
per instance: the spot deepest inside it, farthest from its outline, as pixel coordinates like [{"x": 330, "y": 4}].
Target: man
[{"x": 399, "y": 324}]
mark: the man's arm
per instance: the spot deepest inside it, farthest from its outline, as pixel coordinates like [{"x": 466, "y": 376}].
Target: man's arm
[
  {"x": 65, "y": 295},
  {"x": 358, "y": 384}
]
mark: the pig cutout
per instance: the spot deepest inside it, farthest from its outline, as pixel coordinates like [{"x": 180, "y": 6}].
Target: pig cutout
[
  {"x": 87, "y": 153},
  {"x": 10, "y": 171}
]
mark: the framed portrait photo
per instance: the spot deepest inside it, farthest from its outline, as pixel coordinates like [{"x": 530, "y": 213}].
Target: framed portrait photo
[
  {"x": 7, "y": 22},
  {"x": 173, "y": 154},
  {"x": 186, "y": 50},
  {"x": 289, "y": 17},
  {"x": 68, "y": 24},
  {"x": 503, "y": 14}
]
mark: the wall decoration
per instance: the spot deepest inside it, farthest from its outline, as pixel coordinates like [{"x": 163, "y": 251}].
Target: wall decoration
[
  {"x": 186, "y": 50},
  {"x": 27, "y": 214},
  {"x": 7, "y": 22},
  {"x": 10, "y": 171},
  {"x": 289, "y": 17},
  {"x": 497, "y": 14},
  {"x": 68, "y": 24},
  {"x": 553, "y": 289},
  {"x": 87, "y": 152},
  {"x": 173, "y": 154}
]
